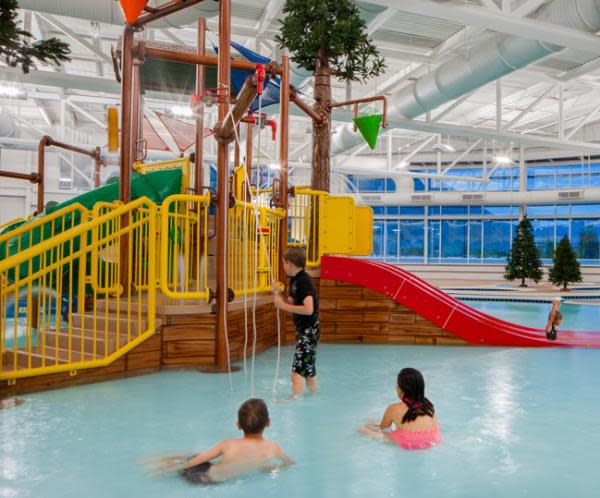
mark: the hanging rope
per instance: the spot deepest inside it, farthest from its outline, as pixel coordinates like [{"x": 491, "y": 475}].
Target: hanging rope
[{"x": 253, "y": 200}]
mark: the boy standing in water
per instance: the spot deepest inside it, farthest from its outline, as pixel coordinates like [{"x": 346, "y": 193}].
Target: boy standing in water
[{"x": 303, "y": 303}]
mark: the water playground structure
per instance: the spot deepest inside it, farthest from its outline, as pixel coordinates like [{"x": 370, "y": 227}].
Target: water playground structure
[{"x": 157, "y": 271}]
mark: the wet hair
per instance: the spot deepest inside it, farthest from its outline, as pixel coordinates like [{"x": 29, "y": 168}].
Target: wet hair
[
  {"x": 558, "y": 316},
  {"x": 296, "y": 256},
  {"x": 253, "y": 416},
  {"x": 411, "y": 381}
]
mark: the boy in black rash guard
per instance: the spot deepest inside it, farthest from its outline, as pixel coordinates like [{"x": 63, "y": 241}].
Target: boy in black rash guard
[{"x": 303, "y": 303}]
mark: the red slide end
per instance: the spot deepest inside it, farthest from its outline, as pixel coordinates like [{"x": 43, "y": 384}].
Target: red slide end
[{"x": 445, "y": 311}]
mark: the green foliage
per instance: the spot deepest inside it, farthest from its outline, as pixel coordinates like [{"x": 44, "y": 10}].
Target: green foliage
[
  {"x": 565, "y": 268},
  {"x": 524, "y": 259},
  {"x": 16, "y": 48},
  {"x": 332, "y": 31}
]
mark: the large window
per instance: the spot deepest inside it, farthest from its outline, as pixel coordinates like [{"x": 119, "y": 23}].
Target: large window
[
  {"x": 360, "y": 183},
  {"x": 564, "y": 176},
  {"x": 543, "y": 231},
  {"x": 412, "y": 241},
  {"x": 480, "y": 234},
  {"x": 454, "y": 241},
  {"x": 585, "y": 237},
  {"x": 496, "y": 240}
]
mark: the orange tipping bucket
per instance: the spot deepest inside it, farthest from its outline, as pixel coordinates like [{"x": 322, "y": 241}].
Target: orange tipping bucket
[{"x": 132, "y": 9}]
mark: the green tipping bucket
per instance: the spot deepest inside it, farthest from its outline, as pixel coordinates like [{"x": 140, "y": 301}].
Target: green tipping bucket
[{"x": 369, "y": 127}]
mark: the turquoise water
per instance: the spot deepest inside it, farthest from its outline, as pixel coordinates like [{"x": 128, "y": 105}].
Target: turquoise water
[
  {"x": 515, "y": 422},
  {"x": 577, "y": 317}
]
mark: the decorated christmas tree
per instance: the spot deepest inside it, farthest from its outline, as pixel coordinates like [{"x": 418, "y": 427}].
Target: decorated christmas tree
[
  {"x": 329, "y": 38},
  {"x": 565, "y": 268},
  {"x": 524, "y": 259},
  {"x": 16, "y": 47}
]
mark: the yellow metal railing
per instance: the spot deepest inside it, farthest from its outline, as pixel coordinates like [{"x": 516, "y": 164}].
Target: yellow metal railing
[
  {"x": 303, "y": 223},
  {"x": 328, "y": 224},
  {"x": 253, "y": 247},
  {"x": 41, "y": 229},
  {"x": 52, "y": 319},
  {"x": 184, "y": 247},
  {"x": 11, "y": 222}
]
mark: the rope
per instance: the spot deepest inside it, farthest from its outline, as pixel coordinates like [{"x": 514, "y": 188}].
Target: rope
[{"x": 257, "y": 221}]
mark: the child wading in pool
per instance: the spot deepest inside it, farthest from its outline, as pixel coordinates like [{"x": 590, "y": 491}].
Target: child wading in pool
[
  {"x": 303, "y": 303},
  {"x": 554, "y": 319},
  {"x": 237, "y": 456},
  {"x": 414, "y": 417}
]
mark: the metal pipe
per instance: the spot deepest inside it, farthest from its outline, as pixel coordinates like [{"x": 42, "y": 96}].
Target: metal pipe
[
  {"x": 304, "y": 106},
  {"x": 38, "y": 177},
  {"x": 136, "y": 112},
  {"x": 284, "y": 115},
  {"x": 126, "y": 115},
  {"x": 97, "y": 164},
  {"x": 355, "y": 102},
  {"x": 224, "y": 128},
  {"x": 31, "y": 177},
  {"x": 249, "y": 127},
  {"x": 207, "y": 60},
  {"x": 224, "y": 70},
  {"x": 158, "y": 12},
  {"x": 199, "y": 154}
]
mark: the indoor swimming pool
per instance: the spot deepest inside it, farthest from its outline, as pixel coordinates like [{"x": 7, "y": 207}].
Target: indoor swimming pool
[
  {"x": 515, "y": 423},
  {"x": 576, "y": 316}
]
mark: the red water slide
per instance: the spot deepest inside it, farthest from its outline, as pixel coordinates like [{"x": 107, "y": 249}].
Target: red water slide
[{"x": 445, "y": 311}]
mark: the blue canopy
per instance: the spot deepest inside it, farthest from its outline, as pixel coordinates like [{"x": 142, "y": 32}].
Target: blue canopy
[{"x": 238, "y": 77}]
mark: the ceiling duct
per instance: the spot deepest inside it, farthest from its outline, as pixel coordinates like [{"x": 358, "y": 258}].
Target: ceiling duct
[{"x": 498, "y": 56}]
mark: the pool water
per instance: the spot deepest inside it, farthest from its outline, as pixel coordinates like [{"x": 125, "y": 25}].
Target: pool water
[
  {"x": 577, "y": 317},
  {"x": 515, "y": 422}
]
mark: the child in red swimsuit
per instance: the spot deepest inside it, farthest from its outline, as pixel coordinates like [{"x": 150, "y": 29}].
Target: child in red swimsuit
[{"x": 414, "y": 417}]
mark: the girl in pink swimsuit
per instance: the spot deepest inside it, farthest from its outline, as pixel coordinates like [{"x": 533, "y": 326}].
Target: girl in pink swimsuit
[{"x": 414, "y": 417}]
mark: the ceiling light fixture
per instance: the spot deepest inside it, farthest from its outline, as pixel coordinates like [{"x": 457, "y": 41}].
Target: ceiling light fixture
[
  {"x": 502, "y": 160},
  {"x": 183, "y": 111},
  {"x": 440, "y": 147},
  {"x": 9, "y": 91}
]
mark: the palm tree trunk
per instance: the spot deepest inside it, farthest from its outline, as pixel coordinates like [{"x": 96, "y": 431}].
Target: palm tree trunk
[{"x": 321, "y": 147}]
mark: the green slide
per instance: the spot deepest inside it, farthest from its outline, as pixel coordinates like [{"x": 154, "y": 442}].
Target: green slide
[{"x": 157, "y": 186}]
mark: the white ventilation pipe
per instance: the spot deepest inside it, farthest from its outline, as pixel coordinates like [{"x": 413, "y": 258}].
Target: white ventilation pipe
[
  {"x": 109, "y": 12},
  {"x": 497, "y": 57}
]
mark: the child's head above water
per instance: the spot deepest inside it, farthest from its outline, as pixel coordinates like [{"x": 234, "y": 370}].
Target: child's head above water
[
  {"x": 411, "y": 382},
  {"x": 411, "y": 388},
  {"x": 253, "y": 416},
  {"x": 296, "y": 256}
]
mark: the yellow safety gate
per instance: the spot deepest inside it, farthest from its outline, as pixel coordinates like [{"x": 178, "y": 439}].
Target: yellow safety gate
[
  {"x": 253, "y": 247},
  {"x": 53, "y": 320}
]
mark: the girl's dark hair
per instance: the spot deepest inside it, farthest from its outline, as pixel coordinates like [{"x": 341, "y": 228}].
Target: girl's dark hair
[{"x": 411, "y": 381}]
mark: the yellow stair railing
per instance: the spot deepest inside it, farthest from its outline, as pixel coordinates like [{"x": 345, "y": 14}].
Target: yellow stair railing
[
  {"x": 52, "y": 319},
  {"x": 41, "y": 229}
]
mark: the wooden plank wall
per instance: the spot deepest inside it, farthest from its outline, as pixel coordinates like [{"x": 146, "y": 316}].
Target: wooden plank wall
[
  {"x": 190, "y": 339},
  {"x": 183, "y": 341},
  {"x": 143, "y": 359},
  {"x": 353, "y": 314},
  {"x": 349, "y": 314}
]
